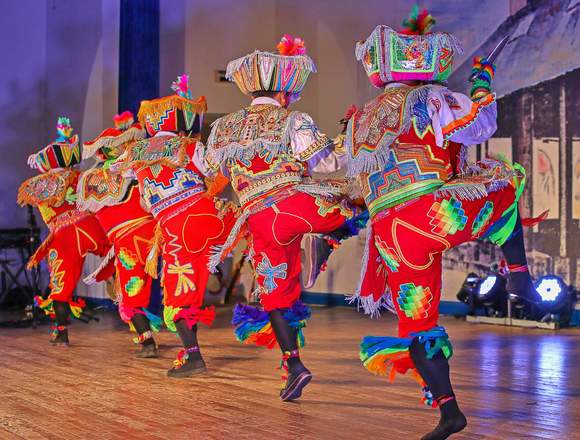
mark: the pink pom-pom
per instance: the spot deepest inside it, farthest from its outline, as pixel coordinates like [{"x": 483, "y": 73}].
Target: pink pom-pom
[
  {"x": 290, "y": 45},
  {"x": 124, "y": 120},
  {"x": 181, "y": 86}
]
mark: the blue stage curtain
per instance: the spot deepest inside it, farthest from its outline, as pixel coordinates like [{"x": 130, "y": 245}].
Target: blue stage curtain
[{"x": 138, "y": 53}]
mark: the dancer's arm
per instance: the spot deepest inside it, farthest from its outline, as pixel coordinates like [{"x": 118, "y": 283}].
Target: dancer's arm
[
  {"x": 313, "y": 147},
  {"x": 461, "y": 119}
]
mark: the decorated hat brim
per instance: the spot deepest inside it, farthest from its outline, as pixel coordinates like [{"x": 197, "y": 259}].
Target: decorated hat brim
[
  {"x": 156, "y": 107},
  {"x": 377, "y": 46},
  {"x": 112, "y": 138},
  {"x": 266, "y": 71}
]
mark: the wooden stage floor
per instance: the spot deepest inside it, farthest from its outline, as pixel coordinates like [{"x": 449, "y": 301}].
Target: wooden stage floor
[{"x": 512, "y": 384}]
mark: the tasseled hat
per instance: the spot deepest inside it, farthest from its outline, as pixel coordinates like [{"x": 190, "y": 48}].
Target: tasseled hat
[
  {"x": 412, "y": 54},
  {"x": 64, "y": 152},
  {"x": 111, "y": 142},
  {"x": 285, "y": 71},
  {"x": 175, "y": 113}
]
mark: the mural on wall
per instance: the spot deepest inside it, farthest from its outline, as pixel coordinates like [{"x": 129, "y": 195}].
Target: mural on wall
[{"x": 538, "y": 87}]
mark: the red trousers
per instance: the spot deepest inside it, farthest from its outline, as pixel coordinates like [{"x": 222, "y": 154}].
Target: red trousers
[
  {"x": 189, "y": 233},
  {"x": 66, "y": 253},
  {"x": 131, "y": 248},
  {"x": 276, "y": 236},
  {"x": 411, "y": 239}
]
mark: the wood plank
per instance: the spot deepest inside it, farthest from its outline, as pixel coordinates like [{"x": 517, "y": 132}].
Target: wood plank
[{"x": 512, "y": 384}]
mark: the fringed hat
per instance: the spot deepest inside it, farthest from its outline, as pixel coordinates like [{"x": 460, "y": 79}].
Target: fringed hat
[
  {"x": 64, "y": 152},
  {"x": 175, "y": 113},
  {"x": 285, "y": 71},
  {"x": 111, "y": 142},
  {"x": 413, "y": 54}
]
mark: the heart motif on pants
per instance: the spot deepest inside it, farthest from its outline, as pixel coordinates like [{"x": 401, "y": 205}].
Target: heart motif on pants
[{"x": 199, "y": 230}]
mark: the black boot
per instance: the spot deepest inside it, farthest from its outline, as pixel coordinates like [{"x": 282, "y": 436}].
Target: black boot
[
  {"x": 520, "y": 286},
  {"x": 298, "y": 376},
  {"x": 189, "y": 361},
  {"x": 60, "y": 329},
  {"x": 143, "y": 329},
  {"x": 435, "y": 372}
]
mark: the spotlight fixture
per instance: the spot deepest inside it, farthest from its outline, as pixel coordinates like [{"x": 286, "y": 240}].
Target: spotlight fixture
[
  {"x": 553, "y": 293},
  {"x": 468, "y": 288},
  {"x": 491, "y": 293}
]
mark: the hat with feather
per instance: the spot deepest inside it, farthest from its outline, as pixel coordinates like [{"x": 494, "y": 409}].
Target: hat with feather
[
  {"x": 111, "y": 143},
  {"x": 64, "y": 152},
  {"x": 178, "y": 113},
  {"x": 285, "y": 71},
  {"x": 413, "y": 54}
]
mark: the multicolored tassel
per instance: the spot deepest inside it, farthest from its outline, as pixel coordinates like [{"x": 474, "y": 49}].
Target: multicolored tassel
[
  {"x": 418, "y": 22},
  {"x": 484, "y": 72},
  {"x": 63, "y": 129}
]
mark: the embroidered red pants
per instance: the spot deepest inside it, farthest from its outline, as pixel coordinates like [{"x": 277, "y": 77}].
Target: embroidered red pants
[
  {"x": 131, "y": 229},
  {"x": 66, "y": 255},
  {"x": 411, "y": 238},
  {"x": 276, "y": 235},
  {"x": 190, "y": 230}
]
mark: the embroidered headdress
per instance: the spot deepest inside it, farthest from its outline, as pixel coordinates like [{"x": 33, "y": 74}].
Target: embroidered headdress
[
  {"x": 176, "y": 113},
  {"x": 110, "y": 143},
  {"x": 64, "y": 152},
  {"x": 285, "y": 71},
  {"x": 411, "y": 54}
]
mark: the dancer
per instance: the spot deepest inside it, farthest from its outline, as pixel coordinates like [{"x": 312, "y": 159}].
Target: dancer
[
  {"x": 73, "y": 234},
  {"x": 115, "y": 201},
  {"x": 169, "y": 168},
  {"x": 408, "y": 146},
  {"x": 269, "y": 152}
]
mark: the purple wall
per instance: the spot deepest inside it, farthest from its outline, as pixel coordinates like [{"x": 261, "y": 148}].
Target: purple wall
[{"x": 49, "y": 51}]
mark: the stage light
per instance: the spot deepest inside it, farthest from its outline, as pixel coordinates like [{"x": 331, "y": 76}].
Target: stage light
[
  {"x": 553, "y": 293},
  {"x": 487, "y": 285},
  {"x": 469, "y": 288},
  {"x": 549, "y": 288},
  {"x": 492, "y": 294}
]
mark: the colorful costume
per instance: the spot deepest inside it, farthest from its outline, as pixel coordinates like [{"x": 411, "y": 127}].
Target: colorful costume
[
  {"x": 73, "y": 234},
  {"x": 170, "y": 170},
  {"x": 115, "y": 201},
  {"x": 408, "y": 149},
  {"x": 268, "y": 152}
]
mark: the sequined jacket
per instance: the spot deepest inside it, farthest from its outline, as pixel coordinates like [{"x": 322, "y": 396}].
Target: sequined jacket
[
  {"x": 410, "y": 141},
  {"x": 265, "y": 148}
]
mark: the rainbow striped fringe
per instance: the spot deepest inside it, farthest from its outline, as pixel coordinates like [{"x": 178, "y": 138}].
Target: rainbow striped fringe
[
  {"x": 76, "y": 307},
  {"x": 387, "y": 356},
  {"x": 192, "y": 315},
  {"x": 252, "y": 326}
]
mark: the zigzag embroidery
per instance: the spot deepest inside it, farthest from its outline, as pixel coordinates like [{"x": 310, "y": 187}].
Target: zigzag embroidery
[
  {"x": 400, "y": 173},
  {"x": 162, "y": 118},
  {"x": 57, "y": 278},
  {"x": 173, "y": 243}
]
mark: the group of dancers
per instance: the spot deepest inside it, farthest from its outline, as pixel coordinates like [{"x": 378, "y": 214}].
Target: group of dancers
[{"x": 154, "y": 192}]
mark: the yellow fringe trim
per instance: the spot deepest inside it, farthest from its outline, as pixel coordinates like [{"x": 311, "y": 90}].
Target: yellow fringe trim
[
  {"x": 158, "y": 107},
  {"x": 151, "y": 268}
]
